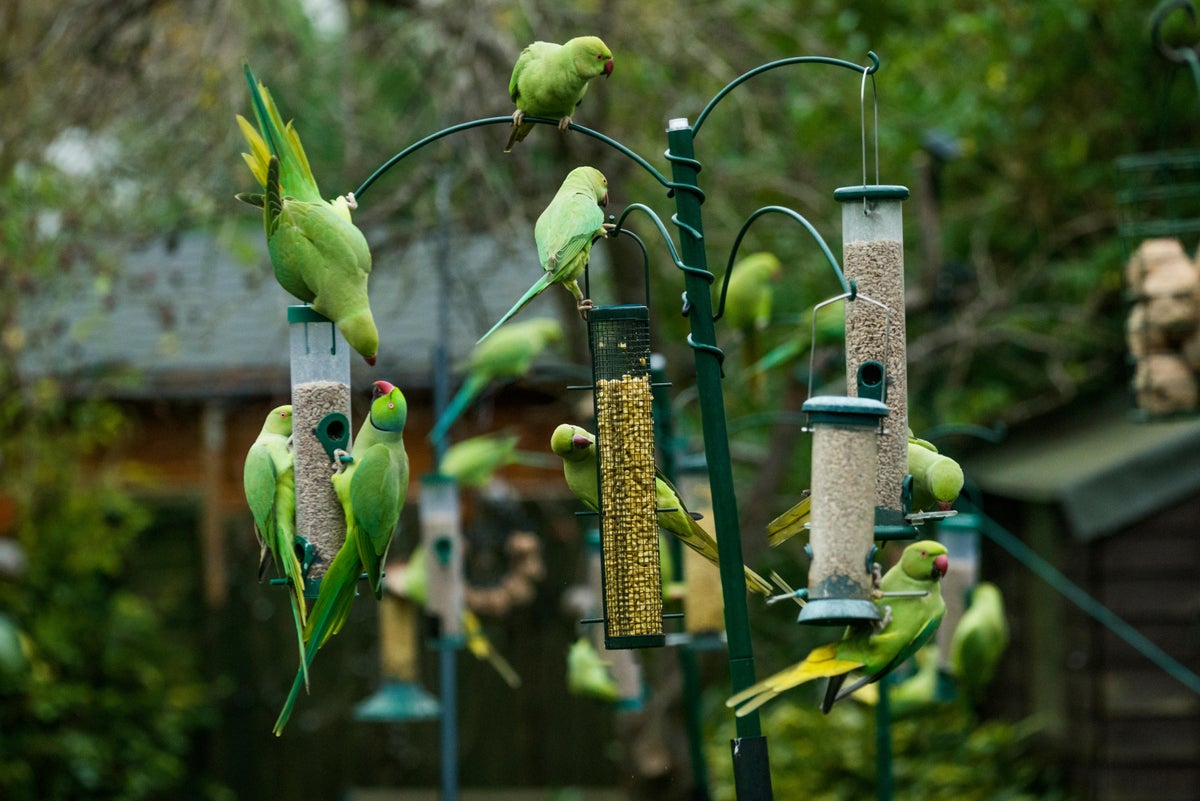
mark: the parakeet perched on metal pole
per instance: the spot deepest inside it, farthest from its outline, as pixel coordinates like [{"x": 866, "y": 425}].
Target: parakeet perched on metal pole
[{"x": 549, "y": 80}]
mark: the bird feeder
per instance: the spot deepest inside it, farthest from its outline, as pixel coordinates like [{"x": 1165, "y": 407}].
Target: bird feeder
[
  {"x": 703, "y": 605},
  {"x": 441, "y": 534},
  {"x": 400, "y": 696},
  {"x": 623, "y": 665},
  {"x": 873, "y": 258},
  {"x": 845, "y": 454},
  {"x": 632, "y": 579},
  {"x": 320, "y": 362}
]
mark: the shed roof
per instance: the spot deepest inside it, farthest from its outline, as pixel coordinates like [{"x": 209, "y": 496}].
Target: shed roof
[{"x": 1105, "y": 468}]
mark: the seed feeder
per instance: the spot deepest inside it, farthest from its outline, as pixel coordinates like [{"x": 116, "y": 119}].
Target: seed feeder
[
  {"x": 623, "y": 666},
  {"x": 320, "y": 362},
  {"x": 400, "y": 696},
  {"x": 703, "y": 606},
  {"x": 441, "y": 534},
  {"x": 632, "y": 579}
]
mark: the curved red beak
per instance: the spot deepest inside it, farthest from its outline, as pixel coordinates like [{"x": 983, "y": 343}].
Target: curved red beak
[
  {"x": 382, "y": 388},
  {"x": 941, "y": 563},
  {"x": 608, "y": 65},
  {"x": 579, "y": 442}
]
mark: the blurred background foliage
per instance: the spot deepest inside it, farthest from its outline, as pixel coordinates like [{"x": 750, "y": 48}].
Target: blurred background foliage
[{"x": 118, "y": 127}]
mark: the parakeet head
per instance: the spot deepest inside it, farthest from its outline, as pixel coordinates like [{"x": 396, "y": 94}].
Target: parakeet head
[
  {"x": 925, "y": 560},
  {"x": 591, "y": 178},
  {"x": 572, "y": 443},
  {"x": 945, "y": 482},
  {"x": 279, "y": 421},
  {"x": 591, "y": 56},
  {"x": 389, "y": 410}
]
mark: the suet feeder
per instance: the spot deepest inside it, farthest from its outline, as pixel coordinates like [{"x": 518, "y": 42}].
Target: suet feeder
[
  {"x": 632, "y": 580},
  {"x": 320, "y": 363},
  {"x": 845, "y": 454},
  {"x": 400, "y": 696},
  {"x": 441, "y": 534},
  {"x": 873, "y": 258}
]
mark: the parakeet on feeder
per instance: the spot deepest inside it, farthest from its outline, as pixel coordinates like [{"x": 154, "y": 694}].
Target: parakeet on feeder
[
  {"x": 873, "y": 649},
  {"x": 564, "y": 233},
  {"x": 979, "y": 641},
  {"x": 371, "y": 488},
  {"x": 411, "y": 581},
  {"x": 318, "y": 254},
  {"x": 577, "y": 448},
  {"x": 937, "y": 479},
  {"x": 509, "y": 354},
  {"x": 268, "y": 478},
  {"x": 549, "y": 80}
]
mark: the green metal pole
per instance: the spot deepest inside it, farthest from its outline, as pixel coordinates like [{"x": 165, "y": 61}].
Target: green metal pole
[
  {"x": 885, "y": 782},
  {"x": 751, "y": 767}
]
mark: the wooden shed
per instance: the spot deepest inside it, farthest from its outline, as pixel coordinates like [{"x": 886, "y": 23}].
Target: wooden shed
[{"x": 1113, "y": 503}]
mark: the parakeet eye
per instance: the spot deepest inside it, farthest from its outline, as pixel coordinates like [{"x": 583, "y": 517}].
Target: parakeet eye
[{"x": 391, "y": 406}]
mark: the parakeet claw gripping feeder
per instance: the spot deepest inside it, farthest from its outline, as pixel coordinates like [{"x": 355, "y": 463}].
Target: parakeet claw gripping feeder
[
  {"x": 320, "y": 362},
  {"x": 620, "y": 344}
]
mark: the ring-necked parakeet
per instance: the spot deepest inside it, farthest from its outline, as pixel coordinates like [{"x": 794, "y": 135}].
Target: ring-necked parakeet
[
  {"x": 748, "y": 301},
  {"x": 873, "y": 649},
  {"x": 791, "y": 522},
  {"x": 509, "y": 354},
  {"x": 269, "y": 480},
  {"x": 549, "y": 80},
  {"x": 564, "y": 233},
  {"x": 372, "y": 488},
  {"x": 319, "y": 255},
  {"x": 587, "y": 673},
  {"x": 472, "y": 462},
  {"x": 979, "y": 641},
  {"x": 577, "y": 448},
  {"x": 937, "y": 479},
  {"x": 411, "y": 581}
]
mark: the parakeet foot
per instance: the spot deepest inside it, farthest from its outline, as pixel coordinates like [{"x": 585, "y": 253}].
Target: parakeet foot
[
  {"x": 876, "y": 574},
  {"x": 607, "y": 228},
  {"x": 564, "y": 123},
  {"x": 341, "y": 458},
  {"x": 887, "y": 618},
  {"x": 351, "y": 201},
  {"x": 584, "y": 307},
  {"x": 518, "y": 117}
]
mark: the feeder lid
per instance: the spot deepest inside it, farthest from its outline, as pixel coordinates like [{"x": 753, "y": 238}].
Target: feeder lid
[
  {"x": 844, "y": 410},
  {"x": 305, "y": 314},
  {"x": 871, "y": 192},
  {"x": 398, "y": 701}
]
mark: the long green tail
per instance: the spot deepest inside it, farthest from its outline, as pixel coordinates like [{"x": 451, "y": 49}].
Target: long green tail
[
  {"x": 530, "y": 294},
  {"x": 462, "y": 399},
  {"x": 266, "y": 122}
]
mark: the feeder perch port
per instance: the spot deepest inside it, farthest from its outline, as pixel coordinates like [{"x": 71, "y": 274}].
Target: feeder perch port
[
  {"x": 632, "y": 578},
  {"x": 320, "y": 364},
  {"x": 842, "y": 534}
]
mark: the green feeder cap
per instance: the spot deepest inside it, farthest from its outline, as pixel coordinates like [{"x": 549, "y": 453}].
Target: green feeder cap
[
  {"x": 305, "y": 314},
  {"x": 398, "y": 701},
  {"x": 871, "y": 192},
  {"x": 844, "y": 410}
]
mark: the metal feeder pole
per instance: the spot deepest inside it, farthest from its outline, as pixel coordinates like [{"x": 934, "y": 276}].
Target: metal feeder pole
[
  {"x": 751, "y": 766},
  {"x": 320, "y": 364}
]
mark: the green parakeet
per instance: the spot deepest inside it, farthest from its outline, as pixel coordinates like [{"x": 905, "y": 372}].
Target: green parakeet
[
  {"x": 371, "y": 489},
  {"x": 937, "y": 479},
  {"x": 564, "y": 233},
  {"x": 269, "y": 480},
  {"x": 748, "y": 301},
  {"x": 412, "y": 582},
  {"x": 319, "y": 255},
  {"x": 473, "y": 461},
  {"x": 587, "y": 673},
  {"x": 874, "y": 650},
  {"x": 577, "y": 448},
  {"x": 509, "y": 354},
  {"x": 549, "y": 80},
  {"x": 979, "y": 641}
]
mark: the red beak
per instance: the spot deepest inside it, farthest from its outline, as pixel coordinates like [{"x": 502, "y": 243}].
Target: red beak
[
  {"x": 608, "y": 65},
  {"x": 604, "y": 202},
  {"x": 382, "y": 388},
  {"x": 941, "y": 563},
  {"x": 579, "y": 442},
  {"x": 945, "y": 506}
]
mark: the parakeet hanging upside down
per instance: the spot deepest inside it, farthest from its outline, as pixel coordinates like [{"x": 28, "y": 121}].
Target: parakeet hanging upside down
[
  {"x": 549, "y": 80},
  {"x": 371, "y": 488},
  {"x": 268, "y": 478},
  {"x": 577, "y": 448},
  {"x": 564, "y": 233},
  {"x": 937, "y": 479},
  {"x": 873, "y": 649},
  {"x": 319, "y": 255},
  {"x": 509, "y": 354}
]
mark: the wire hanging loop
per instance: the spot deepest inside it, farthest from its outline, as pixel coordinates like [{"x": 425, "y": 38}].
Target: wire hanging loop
[
  {"x": 852, "y": 296},
  {"x": 862, "y": 113},
  {"x": 613, "y": 233},
  {"x": 1176, "y": 55}
]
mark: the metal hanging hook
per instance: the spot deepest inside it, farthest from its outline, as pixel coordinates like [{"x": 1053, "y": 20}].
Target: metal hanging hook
[
  {"x": 1177, "y": 55},
  {"x": 862, "y": 113}
]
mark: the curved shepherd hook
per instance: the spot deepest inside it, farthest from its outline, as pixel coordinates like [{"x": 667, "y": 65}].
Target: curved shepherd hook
[{"x": 1176, "y": 55}]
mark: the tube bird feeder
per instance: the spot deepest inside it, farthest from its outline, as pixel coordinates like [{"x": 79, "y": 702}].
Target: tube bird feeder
[
  {"x": 873, "y": 258},
  {"x": 441, "y": 535},
  {"x": 320, "y": 363},
  {"x": 842, "y": 523},
  {"x": 400, "y": 696},
  {"x": 633, "y": 606}
]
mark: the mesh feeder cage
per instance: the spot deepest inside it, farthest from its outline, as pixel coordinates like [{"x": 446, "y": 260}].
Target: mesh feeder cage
[
  {"x": 320, "y": 362},
  {"x": 632, "y": 578},
  {"x": 845, "y": 454},
  {"x": 873, "y": 257}
]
